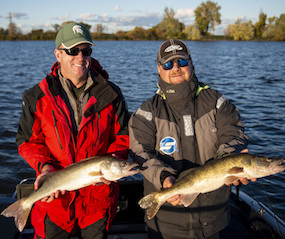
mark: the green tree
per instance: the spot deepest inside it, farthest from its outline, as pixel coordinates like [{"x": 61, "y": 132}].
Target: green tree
[
  {"x": 241, "y": 31},
  {"x": 121, "y": 35},
  {"x": 99, "y": 28},
  {"x": 191, "y": 32},
  {"x": 160, "y": 32},
  {"x": 169, "y": 25},
  {"x": 260, "y": 25},
  {"x": 271, "y": 20},
  {"x": 3, "y": 34},
  {"x": 151, "y": 34},
  {"x": 56, "y": 27},
  {"x": 280, "y": 24},
  {"x": 275, "y": 30},
  {"x": 207, "y": 15},
  {"x": 37, "y": 34},
  {"x": 137, "y": 34},
  {"x": 13, "y": 31}
]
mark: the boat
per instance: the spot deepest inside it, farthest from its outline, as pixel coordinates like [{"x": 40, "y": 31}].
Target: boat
[{"x": 250, "y": 219}]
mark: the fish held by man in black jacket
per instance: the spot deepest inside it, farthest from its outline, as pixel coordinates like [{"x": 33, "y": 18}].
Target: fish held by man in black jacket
[{"x": 212, "y": 176}]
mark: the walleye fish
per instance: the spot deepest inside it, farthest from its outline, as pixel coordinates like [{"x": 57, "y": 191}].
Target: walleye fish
[
  {"x": 210, "y": 177},
  {"x": 73, "y": 177}
]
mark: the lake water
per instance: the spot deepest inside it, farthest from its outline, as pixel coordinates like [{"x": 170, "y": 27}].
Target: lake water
[{"x": 252, "y": 74}]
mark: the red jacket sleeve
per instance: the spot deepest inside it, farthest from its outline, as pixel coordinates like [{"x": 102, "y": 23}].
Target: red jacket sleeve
[
  {"x": 30, "y": 139},
  {"x": 120, "y": 142}
]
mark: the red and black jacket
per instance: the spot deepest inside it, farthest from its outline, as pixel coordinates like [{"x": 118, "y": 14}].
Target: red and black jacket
[{"x": 45, "y": 133}]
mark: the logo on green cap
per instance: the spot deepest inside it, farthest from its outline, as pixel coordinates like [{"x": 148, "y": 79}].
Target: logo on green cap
[{"x": 77, "y": 29}]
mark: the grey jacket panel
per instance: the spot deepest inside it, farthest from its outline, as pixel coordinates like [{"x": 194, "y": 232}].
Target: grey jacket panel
[
  {"x": 220, "y": 130},
  {"x": 143, "y": 145}
]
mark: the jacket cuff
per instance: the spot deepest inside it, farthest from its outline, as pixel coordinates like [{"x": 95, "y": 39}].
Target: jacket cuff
[
  {"x": 164, "y": 175},
  {"x": 41, "y": 165}
]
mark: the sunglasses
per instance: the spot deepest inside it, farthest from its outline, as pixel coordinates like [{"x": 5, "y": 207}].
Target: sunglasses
[
  {"x": 180, "y": 62},
  {"x": 75, "y": 51}
]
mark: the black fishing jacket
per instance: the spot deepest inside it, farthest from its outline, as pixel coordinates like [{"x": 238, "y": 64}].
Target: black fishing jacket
[{"x": 180, "y": 127}]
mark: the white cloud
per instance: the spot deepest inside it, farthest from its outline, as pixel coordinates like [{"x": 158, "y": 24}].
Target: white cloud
[
  {"x": 185, "y": 13},
  {"x": 87, "y": 17},
  {"x": 18, "y": 15},
  {"x": 44, "y": 26},
  {"x": 118, "y": 9},
  {"x": 48, "y": 25},
  {"x": 241, "y": 19},
  {"x": 104, "y": 18},
  {"x": 147, "y": 20},
  {"x": 20, "y": 25},
  {"x": 62, "y": 18}
]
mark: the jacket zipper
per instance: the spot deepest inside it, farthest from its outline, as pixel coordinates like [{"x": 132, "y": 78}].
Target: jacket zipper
[
  {"x": 72, "y": 136},
  {"x": 56, "y": 130},
  {"x": 98, "y": 130}
]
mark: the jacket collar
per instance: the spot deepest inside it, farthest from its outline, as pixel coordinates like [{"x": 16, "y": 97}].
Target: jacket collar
[
  {"x": 100, "y": 90},
  {"x": 178, "y": 92}
]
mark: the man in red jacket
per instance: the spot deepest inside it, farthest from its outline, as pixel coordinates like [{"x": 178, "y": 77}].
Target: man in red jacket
[{"x": 72, "y": 114}]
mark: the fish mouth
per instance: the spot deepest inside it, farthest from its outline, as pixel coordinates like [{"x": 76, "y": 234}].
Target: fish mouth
[
  {"x": 280, "y": 165},
  {"x": 280, "y": 162},
  {"x": 132, "y": 169}
]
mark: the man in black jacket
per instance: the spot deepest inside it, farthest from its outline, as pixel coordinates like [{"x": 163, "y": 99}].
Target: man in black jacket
[{"x": 185, "y": 124}]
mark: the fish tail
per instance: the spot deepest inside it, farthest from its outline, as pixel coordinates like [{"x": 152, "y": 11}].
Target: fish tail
[
  {"x": 17, "y": 211},
  {"x": 150, "y": 203}
]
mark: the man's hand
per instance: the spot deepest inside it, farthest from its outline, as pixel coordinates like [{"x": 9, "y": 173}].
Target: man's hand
[
  {"x": 167, "y": 183},
  {"x": 103, "y": 181},
  {"x": 244, "y": 181},
  {"x": 46, "y": 170}
]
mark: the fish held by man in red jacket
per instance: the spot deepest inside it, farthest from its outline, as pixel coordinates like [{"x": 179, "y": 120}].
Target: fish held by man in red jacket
[{"x": 76, "y": 176}]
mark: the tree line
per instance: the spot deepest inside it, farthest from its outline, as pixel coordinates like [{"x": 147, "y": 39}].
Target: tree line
[{"x": 207, "y": 17}]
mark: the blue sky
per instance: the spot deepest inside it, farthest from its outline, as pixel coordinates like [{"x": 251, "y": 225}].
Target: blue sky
[{"x": 126, "y": 14}]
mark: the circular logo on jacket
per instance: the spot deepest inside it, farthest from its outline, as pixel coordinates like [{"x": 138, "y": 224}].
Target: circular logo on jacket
[{"x": 168, "y": 145}]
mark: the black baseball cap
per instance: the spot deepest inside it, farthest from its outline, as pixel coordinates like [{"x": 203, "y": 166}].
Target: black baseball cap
[{"x": 171, "y": 49}]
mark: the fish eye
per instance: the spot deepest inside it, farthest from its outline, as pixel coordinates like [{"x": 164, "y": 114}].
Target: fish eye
[{"x": 123, "y": 164}]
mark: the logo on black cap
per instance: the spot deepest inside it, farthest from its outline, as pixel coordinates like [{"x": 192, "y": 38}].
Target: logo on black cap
[{"x": 174, "y": 48}]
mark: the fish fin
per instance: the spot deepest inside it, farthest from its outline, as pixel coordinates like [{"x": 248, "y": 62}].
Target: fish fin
[
  {"x": 230, "y": 179},
  {"x": 187, "y": 199},
  {"x": 95, "y": 173},
  {"x": 151, "y": 211},
  {"x": 235, "y": 170},
  {"x": 17, "y": 211},
  {"x": 150, "y": 204},
  {"x": 185, "y": 173},
  {"x": 147, "y": 201}
]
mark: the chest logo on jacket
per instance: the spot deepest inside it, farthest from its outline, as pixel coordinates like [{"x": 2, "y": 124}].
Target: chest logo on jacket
[{"x": 168, "y": 145}]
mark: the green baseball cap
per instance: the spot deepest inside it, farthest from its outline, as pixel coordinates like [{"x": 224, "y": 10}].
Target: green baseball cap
[{"x": 71, "y": 35}]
